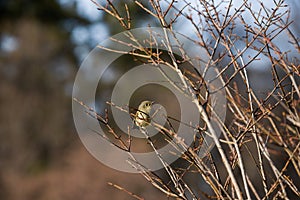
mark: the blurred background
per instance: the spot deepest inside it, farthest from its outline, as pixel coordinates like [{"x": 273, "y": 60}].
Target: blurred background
[{"x": 42, "y": 44}]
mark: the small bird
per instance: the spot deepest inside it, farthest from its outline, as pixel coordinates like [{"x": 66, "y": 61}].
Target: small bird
[{"x": 142, "y": 115}]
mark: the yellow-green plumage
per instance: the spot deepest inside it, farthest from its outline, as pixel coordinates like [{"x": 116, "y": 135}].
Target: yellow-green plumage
[{"x": 142, "y": 116}]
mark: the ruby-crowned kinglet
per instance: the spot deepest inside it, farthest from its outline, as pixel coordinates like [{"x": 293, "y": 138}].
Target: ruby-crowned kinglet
[{"x": 142, "y": 116}]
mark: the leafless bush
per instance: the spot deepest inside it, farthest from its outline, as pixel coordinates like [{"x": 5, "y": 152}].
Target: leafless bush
[{"x": 259, "y": 146}]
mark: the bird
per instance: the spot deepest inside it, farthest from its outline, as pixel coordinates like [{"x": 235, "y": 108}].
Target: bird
[{"x": 142, "y": 115}]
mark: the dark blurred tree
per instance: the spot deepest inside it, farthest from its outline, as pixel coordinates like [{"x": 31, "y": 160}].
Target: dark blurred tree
[{"x": 37, "y": 67}]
